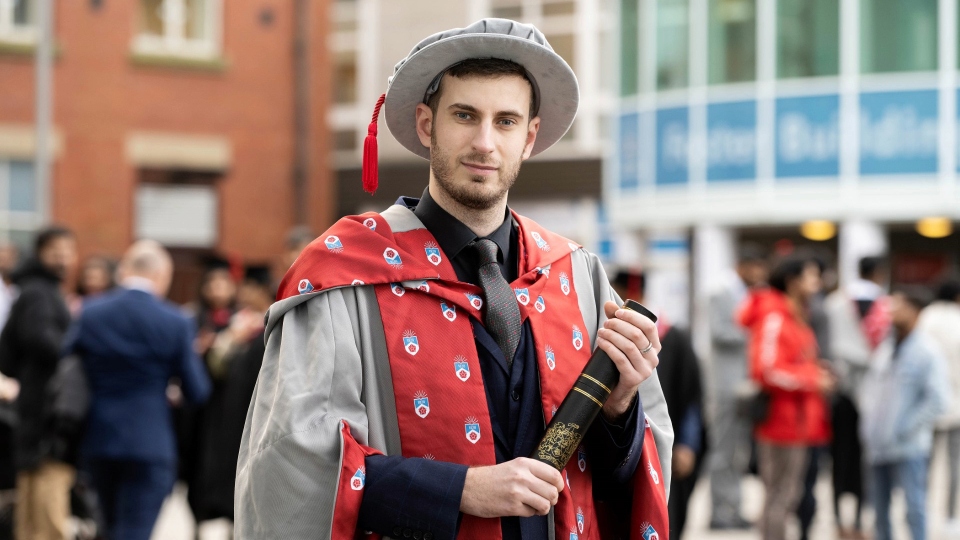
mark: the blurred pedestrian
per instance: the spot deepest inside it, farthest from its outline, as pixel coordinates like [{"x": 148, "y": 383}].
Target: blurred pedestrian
[
  {"x": 9, "y": 258},
  {"x": 679, "y": 373},
  {"x": 132, "y": 343},
  {"x": 96, "y": 276},
  {"x": 905, "y": 391},
  {"x": 941, "y": 321},
  {"x": 729, "y": 432},
  {"x": 213, "y": 312},
  {"x": 859, "y": 317},
  {"x": 30, "y": 348},
  {"x": 784, "y": 362},
  {"x": 234, "y": 362}
]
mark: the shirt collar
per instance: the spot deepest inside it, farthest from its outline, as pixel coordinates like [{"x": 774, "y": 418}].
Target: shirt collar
[
  {"x": 137, "y": 283},
  {"x": 452, "y": 234}
]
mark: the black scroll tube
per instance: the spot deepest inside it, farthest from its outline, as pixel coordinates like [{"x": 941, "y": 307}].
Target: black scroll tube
[{"x": 582, "y": 404}]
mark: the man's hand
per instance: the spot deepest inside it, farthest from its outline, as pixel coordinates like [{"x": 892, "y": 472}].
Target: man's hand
[
  {"x": 520, "y": 487},
  {"x": 624, "y": 334},
  {"x": 684, "y": 460},
  {"x": 827, "y": 382}
]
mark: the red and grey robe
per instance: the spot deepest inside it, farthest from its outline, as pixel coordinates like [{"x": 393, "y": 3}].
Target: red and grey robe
[{"x": 370, "y": 349}]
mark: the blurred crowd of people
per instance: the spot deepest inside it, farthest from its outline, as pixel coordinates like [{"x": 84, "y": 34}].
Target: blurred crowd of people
[
  {"x": 860, "y": 378},
  {"x": 109, "y": 393}
]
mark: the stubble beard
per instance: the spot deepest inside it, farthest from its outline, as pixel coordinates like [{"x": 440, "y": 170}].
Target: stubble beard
[{"x": 443, "y": 169}]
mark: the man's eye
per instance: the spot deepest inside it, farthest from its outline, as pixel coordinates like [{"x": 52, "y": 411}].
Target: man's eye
[
  {"x": 462, "y": 116},
  {"x": 508, "y": 122}
]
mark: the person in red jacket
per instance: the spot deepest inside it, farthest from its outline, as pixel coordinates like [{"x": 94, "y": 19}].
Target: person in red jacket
[{"x": 784, "y": 361}]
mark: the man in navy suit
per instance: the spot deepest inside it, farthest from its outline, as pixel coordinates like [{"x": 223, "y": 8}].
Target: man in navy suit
[{"x": 133, "y": 343}]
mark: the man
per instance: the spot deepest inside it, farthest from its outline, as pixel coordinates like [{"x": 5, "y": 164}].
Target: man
[
  {"x": 29, "y": 352},
  {"x": 390, "y": 400},
  {"x": 679, "y": 374},
  {"x": 941, "y": 321},
  {"x": 730, "y": 432},
  {"x": 132, "y": 343},
  {"x": 904, "y": 393},
  {"x": 859, "y": 319}
]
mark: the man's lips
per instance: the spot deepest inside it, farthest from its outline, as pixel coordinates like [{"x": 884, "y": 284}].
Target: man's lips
[{"x": 478, "y": 169}]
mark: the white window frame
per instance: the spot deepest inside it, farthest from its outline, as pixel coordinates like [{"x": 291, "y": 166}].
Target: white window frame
[
  {"x": 15, "y": 33},
  {"x": 173, "y": 42},
  {"x": 15, "y": 220}
]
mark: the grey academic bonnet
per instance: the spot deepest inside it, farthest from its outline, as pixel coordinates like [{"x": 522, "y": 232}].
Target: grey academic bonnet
[{"x": 556, "y": 93}]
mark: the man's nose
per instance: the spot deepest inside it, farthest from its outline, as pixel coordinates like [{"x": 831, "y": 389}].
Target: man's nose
[{"x": 483, "y": 139}]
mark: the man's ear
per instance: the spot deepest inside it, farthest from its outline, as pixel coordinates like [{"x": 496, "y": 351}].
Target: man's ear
[
  {"x": 424, "y": 122},
  {"x": 532, "y": 128}
]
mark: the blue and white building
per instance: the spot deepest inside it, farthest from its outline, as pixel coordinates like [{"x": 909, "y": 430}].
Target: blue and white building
[{"x": 745, "y": 119}]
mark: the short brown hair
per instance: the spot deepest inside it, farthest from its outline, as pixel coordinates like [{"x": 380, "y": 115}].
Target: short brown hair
[{"x": 493, "y": 68}]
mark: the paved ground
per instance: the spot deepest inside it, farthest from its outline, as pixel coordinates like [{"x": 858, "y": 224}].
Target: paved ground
[{"x": 176, "y": 524}]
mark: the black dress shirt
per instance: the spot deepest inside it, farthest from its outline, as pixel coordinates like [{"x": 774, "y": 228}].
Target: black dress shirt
[{"x": 423, "y": 497}]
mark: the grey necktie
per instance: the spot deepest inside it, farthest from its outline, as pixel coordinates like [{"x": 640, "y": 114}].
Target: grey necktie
[{"x": 503, "y": 315}]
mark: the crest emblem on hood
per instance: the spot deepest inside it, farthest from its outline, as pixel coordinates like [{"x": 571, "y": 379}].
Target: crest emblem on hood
[
  {"x": 449, "y": 312},
  {"x": 410, "y": 343},
  {"x": 462, "y": 368},
  {"x": 541, "y": 243},
  {"x": 472, "y": 429},
  {"x": 421, "y": 404},
  {"x": 359, "y": 479},
  {"x": 433, "y": 253},
  {"x": 333, "y": 243},
  {"x": 392, "y": 257},
  {"x": 475, "y": 301},
  {"x": 523, "y": 296}
]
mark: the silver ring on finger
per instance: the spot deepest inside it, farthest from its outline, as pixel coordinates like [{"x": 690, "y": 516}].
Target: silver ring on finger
[{"x": 649, "y": 347}]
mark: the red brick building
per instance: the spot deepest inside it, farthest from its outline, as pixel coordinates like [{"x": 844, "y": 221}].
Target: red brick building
[{"x": 172, "y": 119}]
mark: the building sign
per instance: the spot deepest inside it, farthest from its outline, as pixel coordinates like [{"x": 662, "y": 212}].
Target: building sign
[
  {"x": 898, "y": 132},
  {"x": 629, "y": 148},
  {"x": 673, "y": 129},
  {"x": 808, "y": 136},
  {"x": 731, "y": 141}
]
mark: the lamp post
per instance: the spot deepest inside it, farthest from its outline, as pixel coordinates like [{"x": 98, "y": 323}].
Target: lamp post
[{"x": 44, "y": 105}]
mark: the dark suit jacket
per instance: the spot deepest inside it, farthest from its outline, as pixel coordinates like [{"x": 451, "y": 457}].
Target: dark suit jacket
[{"x": 132, "y": 344}]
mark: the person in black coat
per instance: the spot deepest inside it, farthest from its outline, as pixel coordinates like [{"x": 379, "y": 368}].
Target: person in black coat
[
  {"x": 679, "y": 373},
  {"x": 235, "y": 359},
  {"x": 45, "y": 445}
]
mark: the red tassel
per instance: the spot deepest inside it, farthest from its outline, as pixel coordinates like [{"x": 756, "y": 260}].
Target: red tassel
[{"x": 370, "y": 172}]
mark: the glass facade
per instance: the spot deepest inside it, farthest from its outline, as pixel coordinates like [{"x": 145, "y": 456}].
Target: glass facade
[
  {"x": 673, "y": 36},
  {"x": 898, "y": 35},
  {"x": 797, "y": 54},
  {"x": 732, "y": 41},
  {"x": 629, "y": 47}
]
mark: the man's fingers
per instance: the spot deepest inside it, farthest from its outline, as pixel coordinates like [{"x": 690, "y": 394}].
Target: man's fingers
[
  {"x": 638, "y": 335},
  {"x": 544, "y": 472},
  {"x": 624, "y": 365},
  {"x": 545, "y": 491}
]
